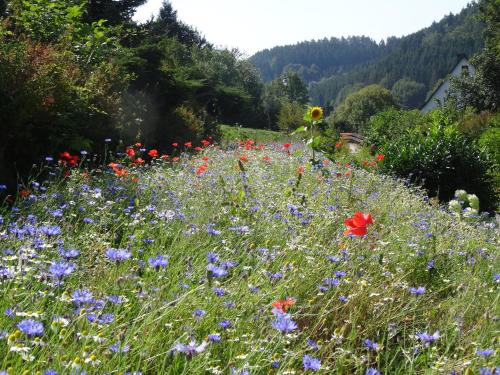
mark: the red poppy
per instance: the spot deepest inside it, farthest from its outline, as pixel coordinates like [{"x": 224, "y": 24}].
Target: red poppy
[
  {"x": 300, "y": 169},
  {"x": 380, "y": 157},
  {"x": 286, "y": 146},
  {"x": 138, "y": 144},
  {"x": 121, "y": 172},
  {"x": 188, "y": 144},
  {"x": 153, "y": 153},
  {"x": 339, "y": 144},
  {"x": 65, "y": 155},
  {"x": 205, "y": 158},
  {"x": 283, "y": 304},
  {"x": 201, "y": 169},
  {"x": 266, "y": 158},
  {"x": 130, "y": 152},
  {"x": 24, "y": 193},
  {"x": 356, "y": 224},
  {"x": 175, "y": 144},
  {"x": 205, "y": 143},
  {"x": 135, "y": 180},
  {"x": 138, "y": 161},
  {"x": 164, "y": 157},
  {"x": 244, "y": 158},
  {"x": 176, "y": 158},
  {"x": 198, "y": 148}
]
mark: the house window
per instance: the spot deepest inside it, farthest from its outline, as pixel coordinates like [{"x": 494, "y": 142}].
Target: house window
[{"x": 465, "y": 70}]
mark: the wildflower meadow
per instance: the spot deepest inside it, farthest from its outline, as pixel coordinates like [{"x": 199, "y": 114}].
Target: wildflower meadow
[{"x": 243, "y": 260}]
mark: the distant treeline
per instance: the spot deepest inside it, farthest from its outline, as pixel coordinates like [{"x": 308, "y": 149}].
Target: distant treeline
[{"x": 414, "y": 63}]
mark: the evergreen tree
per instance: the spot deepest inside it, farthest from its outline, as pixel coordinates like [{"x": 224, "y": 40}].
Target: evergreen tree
[{"x": 114, "y": 11}]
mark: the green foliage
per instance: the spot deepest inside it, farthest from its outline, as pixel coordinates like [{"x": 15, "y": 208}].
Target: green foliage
[
  {"x": 424, "y": 57},
  {"x": 236, "y": 133},
  {"x": 114, "y": 12},
  {"x": 391, "y": 124},
  {"x": 443, "y": 160},
  {"x": 287, "y": 89},
  {"x": 49, "y": 104},
  {"x": 356, "y": 111},
  {"x": 290, "y": 116},
  {"x": 408, "y": 93},
  {"x": 313, "y": 60}
]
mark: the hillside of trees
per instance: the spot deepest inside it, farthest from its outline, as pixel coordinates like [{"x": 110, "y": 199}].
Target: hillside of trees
[
  {"x": 81, "y": 75},
  {"x": 409, "y": 66}
]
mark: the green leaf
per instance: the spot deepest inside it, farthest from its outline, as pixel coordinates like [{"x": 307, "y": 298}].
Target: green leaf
[{"x": 300, "y": 129}]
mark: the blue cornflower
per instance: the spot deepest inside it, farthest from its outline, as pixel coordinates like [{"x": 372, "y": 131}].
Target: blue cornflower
[
  {"x": 417, "y": 291},
  {"x": 216, "y": 271},
  {"x": 333, "y": 258},
  {"x": 225, "y": 323},
  {"x": 82, "y": 297},
  {"x": 340, "y": 273},
  {"x": 312, "y": 344},
  {"x": 31, "y": 327},
  {"x": 311, "y": 363},
  {"x": 115, "y": 299},
  {"x": 329, "y": 281},
  {"x": 369, "y": 344},
  {"x": 88, "y": 220},
  {"x": 50, "y": 230},
  {"x": 199, "y": 313},
  {"x": 158, "y": 262},
  {"x": 3, "y": 187},
  {"x": 118, "y": 255},
  {"x": 496, "y": 277},
  {"x": 284, "y": 323},
  {"x": 61, "y": 269},
  {"x": 428, "y": 339},
  {"x": 214, "y": 337},
  {"x": 212, "y": 257},
  {"x": 118, "y": 348},
  {"x": 68, "y": 254},
  {"x": 219, "y": 292},
  {"x": 50, "y": 372},
  {"x": 275, "y": 276},
  {"x": 372, "y": 371},
  {"x": 212, "y": 231},
  {"x": 485, "y": 352},
  {"x": 191, "y": 348}
]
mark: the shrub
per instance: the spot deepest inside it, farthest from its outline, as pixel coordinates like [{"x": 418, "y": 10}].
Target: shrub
[
  {"x": 390, "y": 124},
  {"x": 442, "y": 160}
]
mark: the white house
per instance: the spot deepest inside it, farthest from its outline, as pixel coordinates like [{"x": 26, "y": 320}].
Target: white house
[{"x": 439, "y": 94}]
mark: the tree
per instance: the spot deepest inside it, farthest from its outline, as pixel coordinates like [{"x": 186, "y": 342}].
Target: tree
[
  {"x": 355, "y": 112},
  {"x": 408, "y": 93},
  {"x": 167, "y": 24},
  {"x": 294, "y": 88},
  {"x": 291, "y": 116},
  {"x": 114, "y": 11},
  {"x": 3, "y": 7},
  {"x": 482, "y": 91}
]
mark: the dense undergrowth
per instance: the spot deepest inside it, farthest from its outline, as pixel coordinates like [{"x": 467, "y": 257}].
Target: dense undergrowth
[{"x": 174, "y": 268}]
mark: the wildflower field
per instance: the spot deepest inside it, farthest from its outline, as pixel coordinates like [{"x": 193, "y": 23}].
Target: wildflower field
[{"x": 242, "y": 261}]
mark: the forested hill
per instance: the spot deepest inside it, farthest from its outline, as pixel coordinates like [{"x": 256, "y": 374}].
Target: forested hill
[
  {"x": 314, "y": 60},
  {"x": 414, "y": 62}
]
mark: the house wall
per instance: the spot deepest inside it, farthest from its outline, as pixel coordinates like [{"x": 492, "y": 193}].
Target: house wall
[{"x": 440, "y": 94}]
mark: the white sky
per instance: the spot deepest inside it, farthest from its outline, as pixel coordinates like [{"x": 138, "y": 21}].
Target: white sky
[{"x": 252, "y": 25}]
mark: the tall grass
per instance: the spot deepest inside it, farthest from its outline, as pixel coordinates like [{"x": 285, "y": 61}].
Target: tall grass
[{"x": 251, "y": 229}]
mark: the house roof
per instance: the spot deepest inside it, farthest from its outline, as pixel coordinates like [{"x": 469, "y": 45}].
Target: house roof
[{"x": 460, "y": 57}]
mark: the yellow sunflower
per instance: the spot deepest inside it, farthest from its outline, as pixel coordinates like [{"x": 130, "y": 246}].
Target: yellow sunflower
[{"x": 316, "y": 113}]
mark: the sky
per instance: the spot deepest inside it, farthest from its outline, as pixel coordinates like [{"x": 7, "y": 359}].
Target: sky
[{"x": 253, "y": 25}]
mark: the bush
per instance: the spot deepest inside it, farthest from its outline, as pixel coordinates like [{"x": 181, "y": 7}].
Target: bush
[
  {"x": 390, "y": 124},
  {"x": 442, "y": 160},
  {"x": 49, "y": 104}
]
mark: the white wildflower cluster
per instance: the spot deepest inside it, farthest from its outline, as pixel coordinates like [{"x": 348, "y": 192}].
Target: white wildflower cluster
[{"x": 464, "y": 204}]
